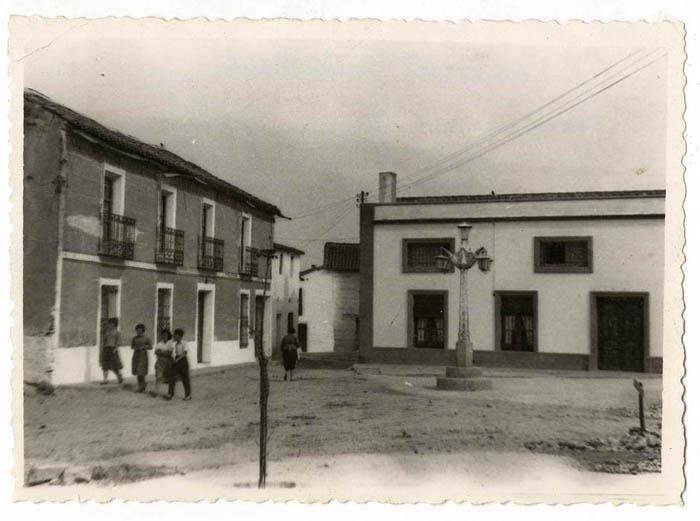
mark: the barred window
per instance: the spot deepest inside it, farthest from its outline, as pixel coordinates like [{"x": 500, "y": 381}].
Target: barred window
[
  {"x": 419, "y": 254},
  {"x": 563, "y": 254}
]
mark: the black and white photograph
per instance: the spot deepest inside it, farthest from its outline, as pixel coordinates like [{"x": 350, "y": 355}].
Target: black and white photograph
[{"x": 367, "y": 260}]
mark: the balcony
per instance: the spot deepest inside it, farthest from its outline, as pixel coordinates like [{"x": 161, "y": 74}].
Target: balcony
[
  {"x": 170, "y": 246},
  {"x": 210, "y": 254},
  {"x": 118, "y": 236},
  {"x": 249, "y": 262}
]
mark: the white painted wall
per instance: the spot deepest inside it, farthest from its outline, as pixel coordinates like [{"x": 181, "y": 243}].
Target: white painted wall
[
  {"x": 81, "y": 364},
  {"x": 319, "y": 311},
  {"x": 627, "y": 256}
]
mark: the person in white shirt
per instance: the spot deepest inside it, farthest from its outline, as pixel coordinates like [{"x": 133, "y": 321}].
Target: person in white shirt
[{"x": 181, "y": 367}]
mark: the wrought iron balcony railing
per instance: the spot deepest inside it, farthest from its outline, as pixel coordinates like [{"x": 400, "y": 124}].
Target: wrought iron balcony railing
[
  {"x": 170, "y": 246},
  {"x": 249, "y": 262},
  {"x": 118, "y": 236},
  {"x": 210, "y": 254}
]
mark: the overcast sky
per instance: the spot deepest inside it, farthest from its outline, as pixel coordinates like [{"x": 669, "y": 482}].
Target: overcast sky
[{"x": 303, "y": 122}]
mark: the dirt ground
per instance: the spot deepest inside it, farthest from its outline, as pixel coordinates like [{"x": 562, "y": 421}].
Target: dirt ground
[{"x": 325, "y": 412}]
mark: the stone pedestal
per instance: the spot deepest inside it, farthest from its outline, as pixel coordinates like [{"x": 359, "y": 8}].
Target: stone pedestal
[
  {"x": 464, "y": 376},
  {"x": 447, "y": 383}
]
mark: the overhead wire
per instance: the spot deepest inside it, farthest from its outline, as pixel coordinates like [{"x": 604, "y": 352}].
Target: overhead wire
[
  {"x": 542, "y": 119},
  {"x": 481, "y": 144}
]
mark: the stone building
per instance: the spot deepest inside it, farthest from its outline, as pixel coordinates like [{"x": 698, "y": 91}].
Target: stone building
[
  {"x": 114, "y": 227},
  {"x": 330, "y": 318},
  {"x": 577, "y": 280}
]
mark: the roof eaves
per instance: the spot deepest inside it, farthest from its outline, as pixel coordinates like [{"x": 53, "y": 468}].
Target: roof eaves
[{"x": 159, "y": 155}]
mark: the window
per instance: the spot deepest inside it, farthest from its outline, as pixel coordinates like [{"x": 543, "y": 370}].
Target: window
[
  {"x": 163, "y": 310},
  {"x": 516, "y": 321},
  {"x": 427, "y": 321},
  {"x": 419, "y": 254},
  {"x": 301, "y": 301},
  {"x": 170, "y": 242},
  {"x": 563, "y": 254},
  {"x": 244, "y": 320},
  {"x": 291, "y": 265},
  {"x": 281, "y": 262},
  {"x": 118, "y": 231},
  {"x": 290, "y": 322}
]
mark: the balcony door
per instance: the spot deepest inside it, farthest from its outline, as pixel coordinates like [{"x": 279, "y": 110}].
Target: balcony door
[{"x": 205, "y": 325}]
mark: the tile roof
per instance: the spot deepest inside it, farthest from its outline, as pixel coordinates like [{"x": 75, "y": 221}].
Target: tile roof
[
  {"x": 338, "y": 256},
  {"x": 152, "y": 152},
  {"x": 286, "y": 248},
  {"x": 341, "y": 256},
  {"x": 542, "y": 196}
]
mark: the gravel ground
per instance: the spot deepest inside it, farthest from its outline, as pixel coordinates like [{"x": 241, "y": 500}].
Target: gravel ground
[{"x": 325, "y": 412}]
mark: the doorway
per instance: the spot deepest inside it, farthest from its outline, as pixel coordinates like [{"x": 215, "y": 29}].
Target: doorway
[
  {"x": 204, "y": 325},
  {"x": 428, "y": 319},
  {"x": 109, "y": 305},
  {"x": 620, "y": 332},
  {"x": 303, "y": 337}
]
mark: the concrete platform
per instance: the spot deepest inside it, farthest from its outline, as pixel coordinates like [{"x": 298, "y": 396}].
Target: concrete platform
[{"x": 446, "y": 383}]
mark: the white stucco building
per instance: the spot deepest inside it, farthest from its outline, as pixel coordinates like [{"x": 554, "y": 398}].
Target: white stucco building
[
  {"x": 577, "y": 279},
  {"x": 285, "y": 292},
  {"x": 330, "y": 305}
]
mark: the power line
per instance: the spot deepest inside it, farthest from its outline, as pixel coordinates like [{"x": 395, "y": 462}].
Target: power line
[
  {"x": 531, "y": 126},
  {"x": 507, "y": 126},
  {"x": 503, "y": 128}
]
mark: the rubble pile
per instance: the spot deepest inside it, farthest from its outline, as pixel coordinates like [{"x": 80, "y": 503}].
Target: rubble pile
[{"x": 635, "y": 452}]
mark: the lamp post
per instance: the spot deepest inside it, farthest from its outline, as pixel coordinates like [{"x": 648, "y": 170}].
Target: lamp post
[{"x": 464, "y": 376}]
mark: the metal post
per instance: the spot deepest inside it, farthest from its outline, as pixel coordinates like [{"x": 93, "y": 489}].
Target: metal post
[{"x": 639, "y": 386}]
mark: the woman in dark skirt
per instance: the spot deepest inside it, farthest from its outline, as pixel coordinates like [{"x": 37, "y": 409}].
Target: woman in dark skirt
[
  {"x": 109, "y": 352},
  {"x": 140, "y": 344},
  {"x": 290, "y": 347}
]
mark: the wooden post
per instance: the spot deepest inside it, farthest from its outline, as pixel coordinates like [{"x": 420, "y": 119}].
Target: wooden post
[
  {"x": 639, "y": 386},
  {"x": 264, "y": 381}
]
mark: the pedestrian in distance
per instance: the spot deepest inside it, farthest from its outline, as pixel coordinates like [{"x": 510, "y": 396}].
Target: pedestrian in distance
[
  {"x": 180, "y": 368},
  {"x": 109, "y": 351},
  {"x": 290, "y": 353},
  {"x": 164, "y": 360},
  {"x": 140, "y": 344}
]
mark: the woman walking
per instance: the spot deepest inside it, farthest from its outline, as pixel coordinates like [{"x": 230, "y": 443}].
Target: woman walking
[
  {"x": 290, "y": 347},
  {"x": 140, "y": 344},
  {"x": 164, "y": 360},
  {"x": 109, "y": 353}
]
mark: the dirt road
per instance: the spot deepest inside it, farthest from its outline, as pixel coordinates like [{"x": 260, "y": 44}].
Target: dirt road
[{"x": 326, "y": 413}]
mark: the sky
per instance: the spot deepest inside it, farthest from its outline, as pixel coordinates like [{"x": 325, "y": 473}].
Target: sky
[{"x": 303, "y": 122}]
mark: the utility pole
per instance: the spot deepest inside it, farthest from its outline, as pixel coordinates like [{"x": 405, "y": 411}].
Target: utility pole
[
  {"x": 361, "y": 198},
  {"x": 264, "y": 380}
]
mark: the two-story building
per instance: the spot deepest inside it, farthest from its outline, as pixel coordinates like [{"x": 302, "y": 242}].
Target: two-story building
[
  {"x": 114, "y": 227},
  {"x": 577, "y": 280},
  {"x": 286, "y": 292}
]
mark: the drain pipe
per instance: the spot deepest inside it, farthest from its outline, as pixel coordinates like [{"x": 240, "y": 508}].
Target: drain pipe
[{"x": 59, "y": 184}]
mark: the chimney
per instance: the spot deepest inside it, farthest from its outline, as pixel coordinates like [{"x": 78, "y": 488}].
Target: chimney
[{"x": 387, "y": 187}]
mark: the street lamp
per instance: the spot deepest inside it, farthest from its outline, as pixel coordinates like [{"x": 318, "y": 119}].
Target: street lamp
[{"x": 463, "y": 376}]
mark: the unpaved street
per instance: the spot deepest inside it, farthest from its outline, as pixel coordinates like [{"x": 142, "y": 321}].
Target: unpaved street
[{"x": 333, "y": 413}]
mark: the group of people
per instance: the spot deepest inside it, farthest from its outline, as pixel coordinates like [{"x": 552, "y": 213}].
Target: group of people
[{"x": 171, "y": 358}]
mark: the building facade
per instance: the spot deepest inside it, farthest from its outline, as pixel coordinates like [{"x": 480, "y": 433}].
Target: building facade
[
  {"x": 577, "y": 280},
  {"x": 286, "y": 292},
  {"x": 330, "y": 304},
  {"x": 114, "y": 227}
]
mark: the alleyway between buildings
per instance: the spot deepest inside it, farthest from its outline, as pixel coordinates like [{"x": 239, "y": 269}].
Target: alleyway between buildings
[{"x": 336, "y": 425}]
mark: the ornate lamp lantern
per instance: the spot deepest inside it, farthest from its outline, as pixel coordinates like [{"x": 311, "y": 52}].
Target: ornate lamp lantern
[
  {"x": 482, "y": 257},
  {"x": 463, "y": 376}
]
